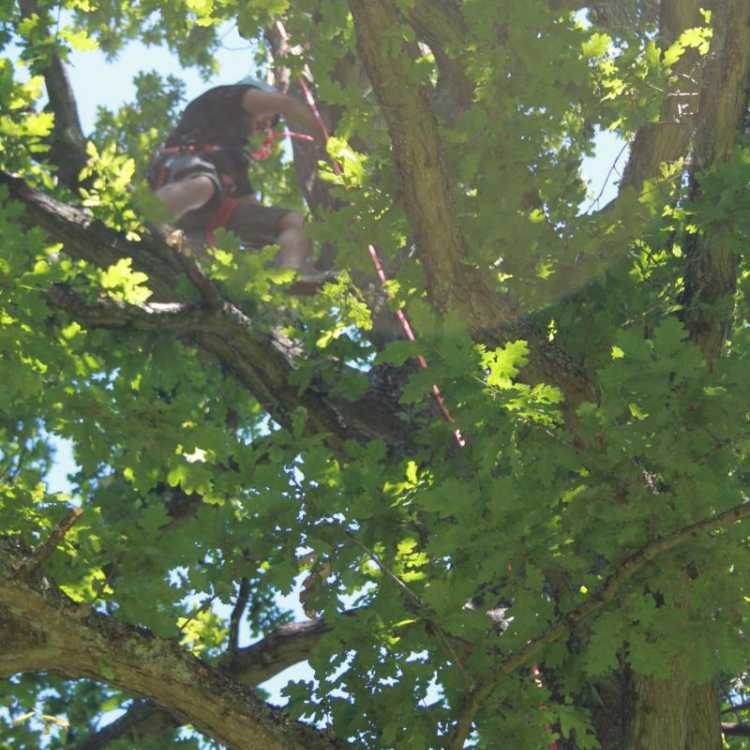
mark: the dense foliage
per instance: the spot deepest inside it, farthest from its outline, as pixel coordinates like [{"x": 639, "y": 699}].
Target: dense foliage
[{"x": 578, "y": 569}]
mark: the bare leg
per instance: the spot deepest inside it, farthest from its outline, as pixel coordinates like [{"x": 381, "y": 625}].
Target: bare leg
[
  {"x": 294, "y": 245},
  {"x": 186, "y": 195}
]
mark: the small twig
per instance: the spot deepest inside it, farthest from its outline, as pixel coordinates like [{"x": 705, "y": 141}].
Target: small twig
[
  {"x": 203, "y": 607},
  {"x": 596, "y": 200},
  {"x": 385, "y": 569},
  {"x": 439, "y": 632},
  {"x": 243, "y": 596},
  {"x": 31, "y": 564},
  {"x": 463, "y": 730},
  {"x": 455, "y": 658}
]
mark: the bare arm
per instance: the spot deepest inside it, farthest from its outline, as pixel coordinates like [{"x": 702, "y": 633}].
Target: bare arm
[{"x": 298, "y": 114}]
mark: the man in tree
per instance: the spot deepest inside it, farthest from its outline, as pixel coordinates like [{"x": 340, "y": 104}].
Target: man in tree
[
  {"x": 201, "y": 175},
  {"x": 599, "y": 374}
]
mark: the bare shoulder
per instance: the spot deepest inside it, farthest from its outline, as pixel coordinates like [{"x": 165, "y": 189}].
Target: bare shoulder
[{"x": 255, "y": 100}]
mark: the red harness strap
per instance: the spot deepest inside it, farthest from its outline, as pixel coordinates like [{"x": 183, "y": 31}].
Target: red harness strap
[{"x": 220, "y": 217}]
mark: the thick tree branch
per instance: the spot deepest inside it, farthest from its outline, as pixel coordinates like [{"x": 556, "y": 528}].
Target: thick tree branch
[
  {"x": 259, "y": 360},
  {"x": 424, "y": 182},
  {"x": 68, "y": 147},
  {"x": 30, "y": 565},
  {"x": 668, "y": 140},
  {"x": 710, "y": 280},
  {"x": 172, "y": 317},
  {"x": 286, "y": 646},
  {"x": 452, "y": 283},
  {"x": 732, "y": 729},
  {"x": 441, "y": 25},
  {"x": 623, "y": 574},
  {"x": 716, "y": 88},
  {"x": 46, "y": 631}
]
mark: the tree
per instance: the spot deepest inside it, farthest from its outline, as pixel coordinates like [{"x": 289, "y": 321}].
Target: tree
[{"x": 573, "y": 566}]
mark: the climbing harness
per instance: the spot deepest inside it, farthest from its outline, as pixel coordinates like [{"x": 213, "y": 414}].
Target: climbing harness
[{"x": 166, "y": 160}]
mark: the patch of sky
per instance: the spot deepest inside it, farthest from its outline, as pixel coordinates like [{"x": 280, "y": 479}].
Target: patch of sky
[
  {"x": 602, "y": 170},
  {"x": 64, "y": 465}
]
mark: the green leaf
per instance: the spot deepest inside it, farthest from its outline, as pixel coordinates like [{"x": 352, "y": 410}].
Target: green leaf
[{"x": 125, "y": 284}]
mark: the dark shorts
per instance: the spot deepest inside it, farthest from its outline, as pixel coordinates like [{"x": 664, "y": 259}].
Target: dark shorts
[{"x": 255, "y": 225}]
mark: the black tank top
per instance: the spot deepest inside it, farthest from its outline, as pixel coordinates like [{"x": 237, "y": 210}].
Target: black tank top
[{"x": 217, "y": 117}]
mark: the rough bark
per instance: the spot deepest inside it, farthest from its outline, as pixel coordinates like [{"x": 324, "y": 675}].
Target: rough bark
[
  {"x": 441, "y": 25},
  {"x": 711, "y": 275},
  {"x": 425, "y": 188},
  {"x": 68, "y": 143},
  {"x": 49, "y": 632},
  {"x": 674, "y": 714},
  {"x": 668, "y": 140},
  {"x": 677, "y": 713},
  {"x": 260, "y": 360},
  {"x": 287, "y": 645},
  {"x": 452, "y": 282}
]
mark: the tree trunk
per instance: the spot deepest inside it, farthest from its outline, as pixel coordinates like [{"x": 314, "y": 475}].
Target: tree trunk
[
  {"x": 674, "y": 714},
  {"x": 637, "y": 712}
]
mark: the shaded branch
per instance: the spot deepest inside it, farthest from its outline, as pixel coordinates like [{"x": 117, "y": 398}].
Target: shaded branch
[
  {"x": 668, "y": 140},
  {"x": 624, "y": 573},
  {"x": 238, "y": 612},
  {"x": 109, "y": 313},
  {"x": 192, "y": 268},
  {"x": 286, "y": 646},
  {"x": 424, "y": 181},
  {"x": 711, "y": 273},
  {"x": 68, "y": 147},
  {"x": 30, "y": 565},
  {"x": 453, "y": 284},
  {"x": 49, "y": 632},
  {"x": 258, "y": 359},
  {"x": 441, "y": 25},
  {"x": 735, "y": 730}
]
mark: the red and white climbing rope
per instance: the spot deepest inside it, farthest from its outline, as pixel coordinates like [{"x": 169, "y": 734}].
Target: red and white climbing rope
[{"x": 400, "y": 314}]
